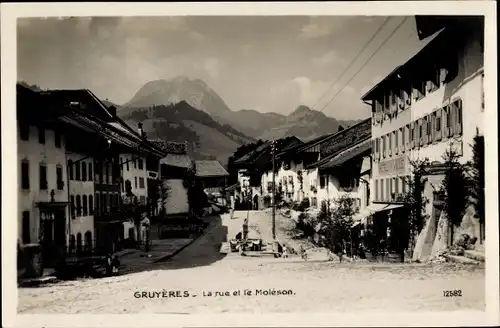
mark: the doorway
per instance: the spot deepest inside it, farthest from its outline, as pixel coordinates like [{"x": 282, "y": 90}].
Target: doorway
[{"x": 52, "y": 235}]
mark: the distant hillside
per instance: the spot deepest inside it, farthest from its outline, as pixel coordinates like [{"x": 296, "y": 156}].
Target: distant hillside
[
  {"x": 304, "y": 122},
  {"x": 181, "y": 122}
]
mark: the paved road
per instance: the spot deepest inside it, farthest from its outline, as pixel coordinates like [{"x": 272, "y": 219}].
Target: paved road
[{"x": 304, "y": 286}]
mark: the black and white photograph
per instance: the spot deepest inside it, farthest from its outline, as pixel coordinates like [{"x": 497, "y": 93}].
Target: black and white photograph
[{"x": 179, "y": 163}]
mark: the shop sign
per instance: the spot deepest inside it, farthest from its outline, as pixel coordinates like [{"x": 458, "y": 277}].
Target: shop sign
[{"x": 392, "y": 167}]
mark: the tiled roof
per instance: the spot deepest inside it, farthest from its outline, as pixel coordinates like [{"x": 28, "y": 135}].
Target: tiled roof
[
  {"x": 282, "y": 145},
  {"x": 348, "y": 154},
  {"x": 210, "y": 169},
  {"x": 178, "y": 160},
  {"x": 170, "y": 147}
]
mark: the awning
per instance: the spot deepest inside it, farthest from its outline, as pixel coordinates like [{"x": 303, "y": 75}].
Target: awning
[{"x": 372, "y": 209}]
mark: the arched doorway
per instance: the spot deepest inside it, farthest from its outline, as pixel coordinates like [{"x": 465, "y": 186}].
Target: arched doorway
[{"x": 88, "y": 241}]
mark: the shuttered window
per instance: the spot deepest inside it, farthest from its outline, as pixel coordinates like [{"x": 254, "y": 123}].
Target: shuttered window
[
  {"x": 458, "y": 117},
  {"x": 376, "y": 189},
  {"x": 25, "y": 175},
  {"x": 439, "y": 125}
]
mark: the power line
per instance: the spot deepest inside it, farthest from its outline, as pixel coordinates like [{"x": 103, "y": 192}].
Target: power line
[
  {"x": 354, "y": 60},
  {"x": 366, "y": 63}
]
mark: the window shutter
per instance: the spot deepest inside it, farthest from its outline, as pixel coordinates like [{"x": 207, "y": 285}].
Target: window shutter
[
  {"x": 445, "y": 128},
  {"x": 458, "y": 117},
  {"x": 418, "y": 136},
  {"x": 412, "y": 136},
  {"x": 452, "y": 111},
  {"x": 403, "y": 139},
  {"x": 432, "y": 132},
  {"x": 389, "y": 144},
  {"x": 439, "y": 125},
  {"x": 408, "y": 135},
  {"x": 425, "y": 121},
  {"x": 396, "y": 141}
]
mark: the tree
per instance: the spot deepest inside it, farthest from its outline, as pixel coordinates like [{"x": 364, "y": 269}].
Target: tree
[
  {"x": 478, "y": 181},
  {"x": 336, "y": 224},
  {"x": 414, "y": 202},
  {"x": 455, "y": 190},
  {"x": 132, "y": 209}
]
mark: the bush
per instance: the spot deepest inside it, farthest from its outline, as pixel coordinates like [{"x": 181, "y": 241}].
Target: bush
[
  {"x": 302, "y": 206},
  {"x": 305, "y": 225}
]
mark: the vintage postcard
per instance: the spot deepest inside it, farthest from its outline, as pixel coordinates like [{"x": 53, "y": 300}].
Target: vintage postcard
[{"x": 198, "y": 164}]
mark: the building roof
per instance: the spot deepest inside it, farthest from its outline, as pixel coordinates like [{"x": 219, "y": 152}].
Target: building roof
[
  {"x": 418, "y": 64},
  {"x": 170, "y": 147},
  {"x": 205, "y": 168},
  {"x": 339, "y": 159},
  {"x": 84, "y": 109},
  {"x": 282, "y": 145},
  {"x": 343, "y": 140},
  {"x": 178, "y": 160}
]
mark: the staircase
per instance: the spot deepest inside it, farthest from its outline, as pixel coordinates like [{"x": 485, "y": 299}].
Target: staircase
[{"x": 474, "y": 257}]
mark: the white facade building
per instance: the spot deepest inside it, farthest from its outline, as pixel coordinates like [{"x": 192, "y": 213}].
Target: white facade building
[
  {"x": 42, "y": 180},
  {"x": 133, "y": 169},
  {"x": 81, "y": 198},
  {"x": 421, "y": 117}
]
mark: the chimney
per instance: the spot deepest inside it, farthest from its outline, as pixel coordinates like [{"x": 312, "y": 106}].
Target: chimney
[
  {"x": 112, "y": 110},
  {"x": 139, "y": 129}
]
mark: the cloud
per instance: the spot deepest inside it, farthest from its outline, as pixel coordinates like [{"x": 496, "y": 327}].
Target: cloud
[
  {"x": 328, "y": 58},
  {"x": 313, "y": 31},
  {"x": 211, "y": 65}
]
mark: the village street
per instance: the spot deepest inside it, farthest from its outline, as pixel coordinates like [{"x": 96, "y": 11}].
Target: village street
[{"x": 306, "y": 286}]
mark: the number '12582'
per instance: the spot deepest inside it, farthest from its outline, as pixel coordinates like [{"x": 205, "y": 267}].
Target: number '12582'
[{"x": 452, "y": 293}]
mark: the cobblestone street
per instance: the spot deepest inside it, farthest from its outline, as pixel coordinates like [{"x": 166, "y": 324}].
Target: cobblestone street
[{"x": 306, "y": 286}]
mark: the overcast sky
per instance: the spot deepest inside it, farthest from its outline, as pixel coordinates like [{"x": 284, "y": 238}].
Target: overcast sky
[{"x": 253, "y": 62}]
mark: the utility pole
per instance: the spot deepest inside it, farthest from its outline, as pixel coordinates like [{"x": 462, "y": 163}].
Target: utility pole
[{"x": 273, "y": 149}]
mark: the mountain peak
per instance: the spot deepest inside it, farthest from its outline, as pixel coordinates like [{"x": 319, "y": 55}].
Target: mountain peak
[
  {"x": 195, "y": 92},
  {"x": 302, "y": 109}
]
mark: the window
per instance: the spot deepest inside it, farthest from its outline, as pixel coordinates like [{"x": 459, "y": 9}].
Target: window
[
  {"x": 84, "y": 171},
  {"x": 141, "y": 183},
  {"x": 322, "y": 181},
  {"x": 448, "y": 117},
  {"x": 396, "y": 139},
  {"x": 91, "y": 205},
  {"x": 396, "y": 185},
  {"x": 72, "y": 205},
  {"x": 25, "y": 175},
  {"x": 77, "y": 172},
  {"x": 388, "y": 187},
  {"x": 141, "y": 167},
  {"x": 78, "y": 205},
  {"x": 128, "y": 168},
  {"x": 59, "y": 178},
  {"x": 438, "y": 123},
  {"x": 84, "y": 205},
  {"x": 458, "y": 117},
  {"x": 70, "y": 169},
  {"x": 383, "y": 146},
  {"x": 376, "y": 189},
  {"x": 26, "y": 233},
  {"x": 57, "y": 139},
  {"x": 135, "y": 182},
  {"x": 91, "y": 177},
  {"x": 135, "y": 164},
  {"x": 41, "y": 135},
  {"x": 24, "y": 131},
  {"x": 381, "y": 189},
  {"x": 43, "y": 177},
  {"x": 389, "y": 143},
  {"x": 104, "y": 198},
  {"x": 98, "y": 204}
]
